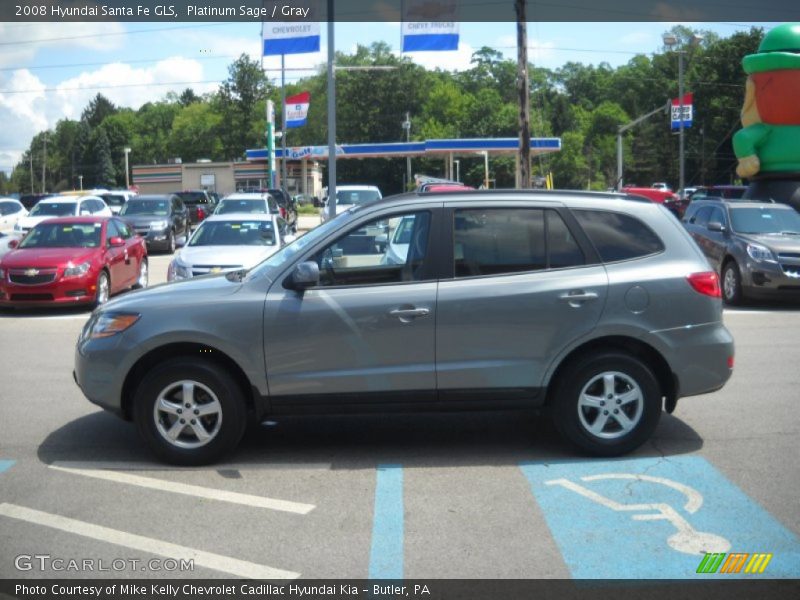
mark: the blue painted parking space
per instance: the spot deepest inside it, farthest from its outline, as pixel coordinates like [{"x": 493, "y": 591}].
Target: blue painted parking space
[
  {"x": 5, "y": 465},
  {"x": 655, "y": 518},
  {"x": 386, "y": 552}
]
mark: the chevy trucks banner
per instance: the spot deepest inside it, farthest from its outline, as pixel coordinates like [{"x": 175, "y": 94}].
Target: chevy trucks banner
[{"x": 438, "y": 30}]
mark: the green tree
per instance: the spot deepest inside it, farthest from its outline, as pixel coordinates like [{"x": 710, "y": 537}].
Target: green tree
[
  {"x": 237, "y": 102},
  {"x": 195, "y": 133},
  {"x": 104, "y": 175},
  {"x": 98, "y": 109}
]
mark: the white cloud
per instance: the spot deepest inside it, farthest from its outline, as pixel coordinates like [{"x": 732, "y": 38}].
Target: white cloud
[
  {"x": 637, "y": 38},
  {"x": 35, "y": 107},
  {"x": 453, "y": 60},
  {"x": 539, "y": 51},
  {"x": 23, "y": 41}
]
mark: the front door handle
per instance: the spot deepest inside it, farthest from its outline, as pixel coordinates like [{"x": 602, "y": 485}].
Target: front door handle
[
  {"x": 406, "y": 314},
  {"x": 578, "y": 297}
]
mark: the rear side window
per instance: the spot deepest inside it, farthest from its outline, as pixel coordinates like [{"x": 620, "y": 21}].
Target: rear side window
[
  {"x": 506, "y": 240},
  {"x": 617, "y": 236}
]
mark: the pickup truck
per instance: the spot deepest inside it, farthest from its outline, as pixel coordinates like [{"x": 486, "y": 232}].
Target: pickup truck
[{"x": 199, "y": 203}]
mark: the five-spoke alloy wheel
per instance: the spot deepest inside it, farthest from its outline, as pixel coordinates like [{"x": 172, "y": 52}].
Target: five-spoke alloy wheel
[
  {"x": 190, "y": 412},
  {"x": 607, "y": 403}
]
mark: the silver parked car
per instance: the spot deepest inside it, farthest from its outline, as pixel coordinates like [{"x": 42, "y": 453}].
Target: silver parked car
[{"x": 596, "y": 308}]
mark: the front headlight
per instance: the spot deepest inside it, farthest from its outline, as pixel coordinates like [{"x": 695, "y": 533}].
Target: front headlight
[
  {"x": 76, "y": 270},
  {"x": 158, "y": 225},
  {"x": 106, "y": 324},
  {"x": 760, "y": 253},
  {"x": 177, "y": 270}
]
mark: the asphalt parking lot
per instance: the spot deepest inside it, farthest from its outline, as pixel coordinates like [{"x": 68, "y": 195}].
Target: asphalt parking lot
[{"x": 439, "y": 496}]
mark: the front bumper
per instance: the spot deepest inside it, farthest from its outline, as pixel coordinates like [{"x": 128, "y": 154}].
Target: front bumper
[
  {"x": 97, "y": 372},
  {"x": 773, "y": 280},
  {"x": 61, "y": 292}
]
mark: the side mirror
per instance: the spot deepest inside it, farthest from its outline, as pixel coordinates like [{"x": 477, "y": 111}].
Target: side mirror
[
  {"x": 716, "y": 226},
  {"x": 289, "y": 239},
  {"x": 13, "y": 244},
  {"x": 116, "y": 242},
  {"x": 304, "y": 276}
]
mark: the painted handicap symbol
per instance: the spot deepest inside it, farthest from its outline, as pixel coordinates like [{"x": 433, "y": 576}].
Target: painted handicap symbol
[{"x": 686, "y": 539}]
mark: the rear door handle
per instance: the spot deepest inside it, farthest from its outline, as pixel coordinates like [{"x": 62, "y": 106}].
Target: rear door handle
[{"x": 409, "y": 313}]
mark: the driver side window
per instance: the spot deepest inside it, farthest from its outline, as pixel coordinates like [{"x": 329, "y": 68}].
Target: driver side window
[{"x": 386, "y": 250}]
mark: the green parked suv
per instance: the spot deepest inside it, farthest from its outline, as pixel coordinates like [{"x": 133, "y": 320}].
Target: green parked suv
[{"x": 596, "y": 308}]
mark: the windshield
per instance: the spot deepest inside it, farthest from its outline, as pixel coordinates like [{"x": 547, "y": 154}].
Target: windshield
[
  {"x": 289, "y": 251},
  {"x": 114, "y": 199},
  {"x": 242, "y": 206},
  {"x": 193, "y": 197},
  {"x": 63, "y": 235},
  {"x": 234, "y": 233},
  {"x": 158, "y": 208},
  {"x": 765, "y": 220},
  {"x": 356, "y": 196},
  {"x": 54, "y": 209}
]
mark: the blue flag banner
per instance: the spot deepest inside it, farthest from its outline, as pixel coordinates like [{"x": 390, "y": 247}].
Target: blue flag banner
[
  {"x": 290, "y": 38},
  {"x": 438, "y": 32}
]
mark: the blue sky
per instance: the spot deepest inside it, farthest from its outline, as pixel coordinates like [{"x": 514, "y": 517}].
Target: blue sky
[{"x": 49, "y": 71}]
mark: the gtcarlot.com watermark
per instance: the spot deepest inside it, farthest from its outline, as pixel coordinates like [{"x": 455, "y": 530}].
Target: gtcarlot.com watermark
[{"x": 48, "y": 562}]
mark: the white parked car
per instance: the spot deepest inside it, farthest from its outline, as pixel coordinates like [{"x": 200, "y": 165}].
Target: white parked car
[
  {"x": 116, "y": 199},
  {"x": 661, "y": 186},
  {"x": 249, "y": 203},
  {"x": 348, "y": 196},
  {"x": 62, "y": 206},
  {"x": 11, "y": 211},
  {"x": 229, "y": 242}
]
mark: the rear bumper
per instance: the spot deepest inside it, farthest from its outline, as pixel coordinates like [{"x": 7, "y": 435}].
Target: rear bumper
[{"x": 699, "y": 356}]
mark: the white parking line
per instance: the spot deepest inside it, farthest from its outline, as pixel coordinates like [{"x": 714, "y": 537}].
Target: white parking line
[
  {"x": 191, "y": 490},
  {"x": 110, "y": 465},
  {"x": 217, "y": 562}
]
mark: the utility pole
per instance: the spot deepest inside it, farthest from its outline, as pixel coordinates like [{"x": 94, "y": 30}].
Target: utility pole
[
  {"x": 283, "y": 121},
  {"x": 44, "y": 162},
  {"x": 523, "y": 88},
  {"x": 331, "y": 207},
  {"x": 31, "y": 163},
  {"x": 127, "y": 151}
]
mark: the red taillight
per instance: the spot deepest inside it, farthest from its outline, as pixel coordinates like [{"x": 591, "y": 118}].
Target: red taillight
[
  {"x": 730, "y": 362},
  {"x": 282, "y": 211},
  {"x": 706, "y": 283},
  {"x": 201, "y": 214}
]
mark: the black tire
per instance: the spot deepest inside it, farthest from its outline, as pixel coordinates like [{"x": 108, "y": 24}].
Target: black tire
[
  {"x": 731, "y": 283},
  {"x": 171, "y": 242},
  {"x": 144, "y": 275},
  {"x": 225, "y": 428},
  {"x": 573, "y": 419},
  {"x": 103, "y": 292}
]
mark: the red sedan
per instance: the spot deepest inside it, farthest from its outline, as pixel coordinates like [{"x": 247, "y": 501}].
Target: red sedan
[{"x": 74, "y": 260}]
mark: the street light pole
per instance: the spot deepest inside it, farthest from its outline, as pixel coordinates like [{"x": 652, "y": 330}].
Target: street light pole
[
  {"x": 127, "y": 180},
  {"x": 407, "y": 127},
  {"x": 681, "y": 155},
  {"x": 458, "y": 169},
  {"x": 331, "y": 207}
]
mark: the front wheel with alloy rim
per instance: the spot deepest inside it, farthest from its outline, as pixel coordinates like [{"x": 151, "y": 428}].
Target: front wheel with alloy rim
[
  {"x": 190, "y": 412},
  {"x": 731, "y": 283},
  {"x": 103, "y": 289},
  {"x": 141, "y": 281},
  {"x": 607, "y": 404}
]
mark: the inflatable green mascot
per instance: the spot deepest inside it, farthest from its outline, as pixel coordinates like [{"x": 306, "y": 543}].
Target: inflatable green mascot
[{"x": 768, "y": 148}]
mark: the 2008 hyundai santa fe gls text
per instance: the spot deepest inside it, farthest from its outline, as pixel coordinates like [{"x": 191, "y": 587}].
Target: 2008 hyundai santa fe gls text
[{"x": 597, "y": 308}]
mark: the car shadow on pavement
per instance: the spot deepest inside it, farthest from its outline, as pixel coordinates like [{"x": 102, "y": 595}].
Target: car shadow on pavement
[
  {"x": 360, "y": 442},
  {"x": 45, "y": 311}
]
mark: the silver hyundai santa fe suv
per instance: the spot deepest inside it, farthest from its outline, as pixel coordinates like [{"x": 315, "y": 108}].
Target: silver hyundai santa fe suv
[{"x": 597, "y": 308}]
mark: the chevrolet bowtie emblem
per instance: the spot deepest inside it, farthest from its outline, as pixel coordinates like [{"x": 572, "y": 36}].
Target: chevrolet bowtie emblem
[{"x": 31, "y": 272}]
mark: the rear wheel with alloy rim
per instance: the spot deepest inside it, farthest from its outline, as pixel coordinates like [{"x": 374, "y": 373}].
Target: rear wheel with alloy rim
[
  {"x": 189, "y": 412},
  {"x": 731, "y": 283},
  {"x": 103, "y": 289},
  {"x": 171, "y": 242},
  {"x": 607, "y": 404}
]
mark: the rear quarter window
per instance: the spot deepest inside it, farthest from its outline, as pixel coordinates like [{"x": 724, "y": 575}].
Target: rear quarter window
[{"x": 617, "y": 236}]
